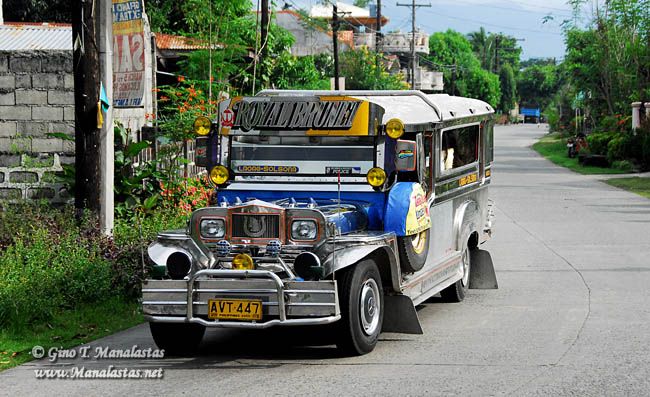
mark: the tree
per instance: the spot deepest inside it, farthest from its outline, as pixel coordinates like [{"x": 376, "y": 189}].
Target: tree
[
  {"x": 38, "y": 10},
  {"x": 611, "y": 59},
  {"x": 360, "y": 70},
  {"x": 508, "y": 88},
  {"x": 299, "y": 73},
  {"x": 495, "y": 50},
  {"x": 537, "y": 85},
  {"x": 452, "y": 48},
  {"x": 482, "y": 45}
]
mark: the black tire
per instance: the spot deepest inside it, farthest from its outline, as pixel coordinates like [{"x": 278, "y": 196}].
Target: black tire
[
  {"x": 177, "y": 339},
  {"x": 456, "y": 292},
  {"x": 413, "y": 251},
  {"x": 359, "y": 288}
]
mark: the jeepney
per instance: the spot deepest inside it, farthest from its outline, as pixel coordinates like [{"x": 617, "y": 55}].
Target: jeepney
[{"x": 346, "y": 208}]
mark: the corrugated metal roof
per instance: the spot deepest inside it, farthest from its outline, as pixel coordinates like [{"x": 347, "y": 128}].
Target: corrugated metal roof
[
  {"x": 35, "y": 36},
  {"x": 171, "y": 42}
]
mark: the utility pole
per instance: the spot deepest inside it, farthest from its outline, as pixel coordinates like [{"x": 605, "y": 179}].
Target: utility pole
[
  {"x": 378, "y": 30},
  {"x": 264, "y": 34},
  {"x": 496, "y": 53},
  {"x": 413, "y": 6},
  {"x": 335, "y": 42},
  {"x": 107, "y": 135},
  {"x": 86, "y": 94},
  {"x": 453, "y": 78}
]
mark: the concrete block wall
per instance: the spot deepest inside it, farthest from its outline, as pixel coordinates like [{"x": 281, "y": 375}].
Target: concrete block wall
[
  {"x": 24, "y": 177},
  {"x": 36, "y": 98}
]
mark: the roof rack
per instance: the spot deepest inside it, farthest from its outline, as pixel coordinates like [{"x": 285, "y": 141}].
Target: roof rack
[{"x": 269, "y": 92}]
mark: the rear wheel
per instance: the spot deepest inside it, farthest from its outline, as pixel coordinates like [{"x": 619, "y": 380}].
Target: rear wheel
[
  {"x": 177, "y": 339},
  {"x": 456, "y": 292},
  {"x": 413, "y": 251},
  {"x": 362, "y": 308}
]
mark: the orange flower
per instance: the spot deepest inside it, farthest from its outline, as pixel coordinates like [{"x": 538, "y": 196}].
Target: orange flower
[
  {"x": 181, "y": 79},
  {"x": 163, "y": 98}
]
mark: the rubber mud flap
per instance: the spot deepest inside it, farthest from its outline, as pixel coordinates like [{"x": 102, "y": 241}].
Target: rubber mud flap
[
  {"x": 400, "y": 315},
  {"x": 482, "y": 274}
]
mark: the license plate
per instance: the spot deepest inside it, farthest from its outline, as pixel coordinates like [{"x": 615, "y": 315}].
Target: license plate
[{"x": 235, "y": 309}]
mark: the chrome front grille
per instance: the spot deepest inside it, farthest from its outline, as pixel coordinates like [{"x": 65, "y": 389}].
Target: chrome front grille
[{"x": 256, "y": 226}]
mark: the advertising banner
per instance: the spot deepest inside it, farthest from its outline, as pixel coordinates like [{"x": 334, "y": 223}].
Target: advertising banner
[{"x": 128, "y": 53}]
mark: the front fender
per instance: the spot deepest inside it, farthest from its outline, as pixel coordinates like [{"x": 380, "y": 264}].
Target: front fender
[
  {"x": 349, "y": 256},
  {"x": 178, "y": 241}
]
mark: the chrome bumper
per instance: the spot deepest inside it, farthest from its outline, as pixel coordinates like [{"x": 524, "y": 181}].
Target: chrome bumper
[{"x": 288, "y": 303}]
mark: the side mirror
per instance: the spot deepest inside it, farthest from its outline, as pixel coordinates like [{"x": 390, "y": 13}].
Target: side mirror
[{"x": 406, "y": 155}]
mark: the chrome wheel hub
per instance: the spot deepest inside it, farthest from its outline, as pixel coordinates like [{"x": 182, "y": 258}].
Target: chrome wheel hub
[{"x": 369, "y": 306}]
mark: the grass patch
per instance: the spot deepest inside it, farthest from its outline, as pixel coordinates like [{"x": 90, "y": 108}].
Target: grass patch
[
  {"x": 553, "y": 147},
  {"x": 67, "y": 329},
  {"x": 638, "y": 185}
]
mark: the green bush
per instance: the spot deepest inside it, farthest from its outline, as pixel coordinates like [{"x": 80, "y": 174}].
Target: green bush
[
  {"x": 598, "y": 142},
  {"x": 616, "y": 149},
  {"x": 49, "y": 262},
  {"x": 623, "y": 165},
  {"x": 553, "y": 118},
  {"x": 42, "y": 273}
]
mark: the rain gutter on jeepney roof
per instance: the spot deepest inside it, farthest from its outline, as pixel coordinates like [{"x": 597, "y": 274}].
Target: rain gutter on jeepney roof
[{"x": 356, "y": 93}]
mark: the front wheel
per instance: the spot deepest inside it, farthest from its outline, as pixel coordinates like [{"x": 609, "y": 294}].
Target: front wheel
[
  {"x": 362, "y": 308},
  {"x": 177, "y": 339}
]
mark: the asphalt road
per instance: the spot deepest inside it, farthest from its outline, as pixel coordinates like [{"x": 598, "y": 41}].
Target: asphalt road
[{"x": 571, "y": 317}]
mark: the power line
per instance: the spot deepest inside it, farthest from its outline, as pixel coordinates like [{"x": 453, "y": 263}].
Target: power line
[
  {"x": 510, "y": 9},
  {"x": 483, "y": 23}
]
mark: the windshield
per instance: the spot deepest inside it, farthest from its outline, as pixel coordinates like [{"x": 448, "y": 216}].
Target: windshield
[{"x": 292, "y": 155}]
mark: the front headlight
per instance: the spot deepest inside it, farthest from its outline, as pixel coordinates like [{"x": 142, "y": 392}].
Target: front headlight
[
  {"x": 304, "y": 230},
  {"x": 213, "y": 228}
]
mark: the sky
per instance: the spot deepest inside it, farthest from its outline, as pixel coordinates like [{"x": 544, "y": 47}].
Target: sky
[{"x": 522, "y": 19}]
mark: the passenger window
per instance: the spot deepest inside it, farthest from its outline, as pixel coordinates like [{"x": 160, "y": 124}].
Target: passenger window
[
  {"x": 459, "y": 147},
  {"x": 489, "y": 151}
]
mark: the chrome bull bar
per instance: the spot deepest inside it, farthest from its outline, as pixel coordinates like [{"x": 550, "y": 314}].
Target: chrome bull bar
[{"x": 280, "y": 291}]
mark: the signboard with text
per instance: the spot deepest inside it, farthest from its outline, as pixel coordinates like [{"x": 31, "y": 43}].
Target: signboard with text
[{"x": 128, "y": 53}]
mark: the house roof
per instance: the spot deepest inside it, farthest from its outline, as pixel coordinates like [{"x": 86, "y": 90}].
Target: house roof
[
  {"x": 27, "y": 36},
  {"x": 350, "y": 13},
  {"x": 180, "y": 43},
  {"x": 21, "y": 36}
]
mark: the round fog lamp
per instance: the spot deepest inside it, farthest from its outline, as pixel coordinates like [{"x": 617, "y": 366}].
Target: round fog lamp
[
  {"x": 219, "y": 175},
  {"x": 202, "y": 126},
  {"x": 394, "y": 128},
  {"x": 243, "y": 262},
  {"x": 376, "y": 177}
]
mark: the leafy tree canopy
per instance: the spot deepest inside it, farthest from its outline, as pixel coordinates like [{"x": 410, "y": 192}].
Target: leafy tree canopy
[
  {"x": 38, "y": 10},
  {"x": 452, "y": 48},
  {"x": 364, "y": 69}
]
